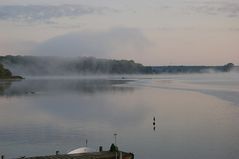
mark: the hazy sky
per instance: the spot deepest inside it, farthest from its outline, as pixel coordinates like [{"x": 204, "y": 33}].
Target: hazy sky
[{"x": 153, "y": 32}]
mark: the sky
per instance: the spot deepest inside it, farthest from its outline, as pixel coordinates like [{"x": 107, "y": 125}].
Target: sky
[{"x": 152, "y": 32}]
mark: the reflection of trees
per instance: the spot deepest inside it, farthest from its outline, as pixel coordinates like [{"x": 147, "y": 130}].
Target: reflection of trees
[
  {"x": 32, "y": 87},
  {"x": 94, "y": 86},
  {"x": 4, "y": 85}
]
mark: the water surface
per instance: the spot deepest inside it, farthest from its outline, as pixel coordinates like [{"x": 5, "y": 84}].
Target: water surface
[{"x": 196, "y": 116}]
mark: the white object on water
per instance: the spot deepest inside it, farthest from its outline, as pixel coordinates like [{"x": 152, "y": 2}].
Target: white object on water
[{"x": 82, "y": 150}]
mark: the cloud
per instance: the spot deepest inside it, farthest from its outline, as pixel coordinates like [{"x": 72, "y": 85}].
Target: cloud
[
  {"x": 12, "y": 46},
  {"x": 114, "y": 43},
  {"x": 45, "y": 13},
  {"x": 228, "y": 8}
]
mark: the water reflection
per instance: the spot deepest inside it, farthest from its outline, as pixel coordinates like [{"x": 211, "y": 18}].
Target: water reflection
[
  {"x": 4, "y": 85},
  {"x": 63, "y": 111},
  {"x": 62, "y": 114},
  {"x": 34, "y": 86}
]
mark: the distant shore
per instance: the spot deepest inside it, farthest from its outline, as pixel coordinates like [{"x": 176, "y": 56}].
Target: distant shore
[
  {"x": 68, "y": 66},
  {"x": 13, "y": 78}
]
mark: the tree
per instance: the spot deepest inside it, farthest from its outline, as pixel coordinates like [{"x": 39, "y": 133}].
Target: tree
[
  {"x": 113, "y": 148},
  {"x": 228, "y": 67},
  {"x": 4, "y": 73}
]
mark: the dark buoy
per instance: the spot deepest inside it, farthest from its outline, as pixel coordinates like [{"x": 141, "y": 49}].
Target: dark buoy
[{"x": 154, "y": 123}]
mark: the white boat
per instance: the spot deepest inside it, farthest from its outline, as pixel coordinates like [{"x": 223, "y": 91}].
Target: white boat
[{"x": 82, "y": 150}]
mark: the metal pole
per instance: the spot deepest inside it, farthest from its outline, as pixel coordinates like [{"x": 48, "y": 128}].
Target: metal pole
[
  {"x": 121, "y": 155},
  {"x": 115, "y": 138}
]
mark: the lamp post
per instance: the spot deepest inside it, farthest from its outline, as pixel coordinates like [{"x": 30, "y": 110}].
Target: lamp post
[
  {"x": 116, "y": 155},
  {"x": 115, "y": 135}
]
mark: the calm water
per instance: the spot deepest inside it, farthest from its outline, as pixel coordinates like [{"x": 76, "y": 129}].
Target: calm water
[{"x": 196, "y": 115}]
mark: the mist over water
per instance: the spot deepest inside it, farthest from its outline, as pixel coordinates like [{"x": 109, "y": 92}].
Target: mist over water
[{"x": 196, "y": 115}]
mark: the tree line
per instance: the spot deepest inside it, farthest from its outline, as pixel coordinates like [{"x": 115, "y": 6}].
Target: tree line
[{"x": 49, "y": 65}]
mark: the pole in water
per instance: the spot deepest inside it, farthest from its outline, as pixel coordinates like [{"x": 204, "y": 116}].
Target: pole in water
[{"x": 86, "y": 143}]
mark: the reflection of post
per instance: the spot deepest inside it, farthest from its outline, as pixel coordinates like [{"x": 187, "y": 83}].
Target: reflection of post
[
  {"x": 115, "y": 138},
  {"x": 116, "y": 155},
  {"x": 86, "y": 143}
]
